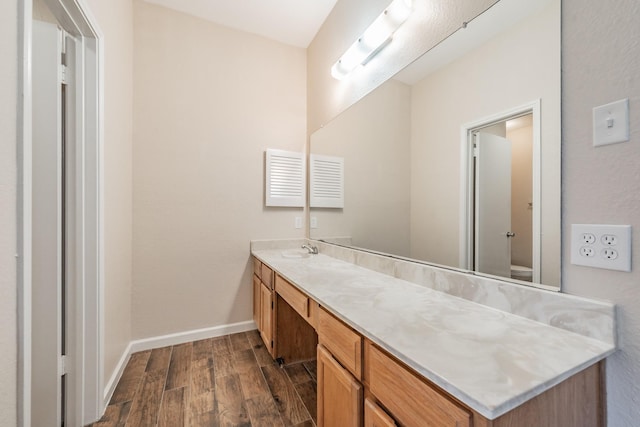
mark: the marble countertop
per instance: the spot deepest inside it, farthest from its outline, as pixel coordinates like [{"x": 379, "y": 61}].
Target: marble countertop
[{"x": 490, "y": 360}]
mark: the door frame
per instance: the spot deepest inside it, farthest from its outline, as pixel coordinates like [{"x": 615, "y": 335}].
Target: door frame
[
  {"x": 74, "y": 18},
  {"x": 467, "y": 183}
]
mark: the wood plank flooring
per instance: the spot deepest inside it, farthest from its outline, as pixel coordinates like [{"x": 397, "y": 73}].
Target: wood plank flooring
[{"x": 224, "y": 381}]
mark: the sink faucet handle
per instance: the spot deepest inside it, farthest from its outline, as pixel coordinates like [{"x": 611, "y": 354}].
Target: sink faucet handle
[{"x": 311, "y": 249}]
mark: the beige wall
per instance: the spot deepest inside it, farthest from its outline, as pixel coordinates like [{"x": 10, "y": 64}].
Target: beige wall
[
  {"x": 8, "y": 191},
  {"x": 376, "y": 194},
  {"x": 486, "y": 81},
  {"x": 115, "y": 20},
  {"x": 522, "y": 194},
  {"x": 208, "y": 102},
  {"x": 601, "y": 63}
]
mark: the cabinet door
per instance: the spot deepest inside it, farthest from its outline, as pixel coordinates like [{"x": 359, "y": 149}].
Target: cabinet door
[
  {"x": 266, "y": 311},
  {"x": 375, "y": 416},
  {"x": 256, "y": 301},
  {"x": 339, "y": 394}
]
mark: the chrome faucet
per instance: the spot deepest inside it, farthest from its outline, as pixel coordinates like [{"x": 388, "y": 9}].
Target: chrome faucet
[{"x": 311, "y": 249}]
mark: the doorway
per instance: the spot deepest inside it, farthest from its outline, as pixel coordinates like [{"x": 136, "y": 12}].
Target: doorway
[
  {"x": 501, "y": 215},
  {"x": 60, "y": 215}
]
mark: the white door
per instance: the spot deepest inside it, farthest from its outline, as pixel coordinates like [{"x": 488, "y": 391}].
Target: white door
[
  {"x": 50, "y": 241},
  {"x": 492, "y": 205}
]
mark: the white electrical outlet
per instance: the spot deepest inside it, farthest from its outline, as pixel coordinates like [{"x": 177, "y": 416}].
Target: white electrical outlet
[
  {"x": 298, "y": 222},
  {"x": 601, "y": 246},
  {"x": 588, "y": 238}
]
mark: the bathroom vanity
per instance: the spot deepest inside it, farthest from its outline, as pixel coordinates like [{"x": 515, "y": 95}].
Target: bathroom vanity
[{"x": 442, "y": 348}]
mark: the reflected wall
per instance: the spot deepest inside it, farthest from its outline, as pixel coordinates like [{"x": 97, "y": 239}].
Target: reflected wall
[{"x": 420, "y": 119}]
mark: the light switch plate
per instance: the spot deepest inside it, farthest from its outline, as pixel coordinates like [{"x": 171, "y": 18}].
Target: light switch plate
[{"x": 611, "y": 123}]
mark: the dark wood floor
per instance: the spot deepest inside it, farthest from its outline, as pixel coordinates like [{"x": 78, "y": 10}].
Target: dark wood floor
[{"x": 224, "y": 381}]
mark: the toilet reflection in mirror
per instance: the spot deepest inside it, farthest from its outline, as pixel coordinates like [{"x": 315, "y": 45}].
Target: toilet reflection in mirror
[{"x": 409, "y": 174}]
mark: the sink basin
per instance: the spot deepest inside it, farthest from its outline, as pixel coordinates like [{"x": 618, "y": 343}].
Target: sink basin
[{"x": 295, "y": 253}]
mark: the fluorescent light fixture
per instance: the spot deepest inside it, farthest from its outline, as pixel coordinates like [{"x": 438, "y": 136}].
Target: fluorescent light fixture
[{"x": 374, "y": 39}]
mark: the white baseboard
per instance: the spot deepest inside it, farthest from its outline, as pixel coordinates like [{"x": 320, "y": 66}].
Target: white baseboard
[
  {"x": 188, "y": 336},
  {"x": 115, "y": 377},
  {"x": 166, "y": 340}
]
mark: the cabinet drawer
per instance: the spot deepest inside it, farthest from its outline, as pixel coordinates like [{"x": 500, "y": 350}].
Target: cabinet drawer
[
  {"x": 412, "y": 402},
  {"x": 267, "y": 276},
  {"x": 257, "y": 267},
  {"x": 296, "y": 299},
  {"x": 342, "y": 342}
]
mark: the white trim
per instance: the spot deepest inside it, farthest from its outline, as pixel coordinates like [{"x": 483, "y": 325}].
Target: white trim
[
  {"x": 167, "y": 340},
  {"x": 24, "y": 213},
  {"x": 76, "y": 19},
  {"x": 117, "y": 374},
  {"x": 466, "y": 182},
  {"x": 193, "y": 335}
]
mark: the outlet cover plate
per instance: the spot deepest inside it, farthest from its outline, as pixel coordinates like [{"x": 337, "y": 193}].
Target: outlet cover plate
[{"x": 604, "y": 235}]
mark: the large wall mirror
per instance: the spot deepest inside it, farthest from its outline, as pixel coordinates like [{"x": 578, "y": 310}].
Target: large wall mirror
[{"x": 455, "y": 161}]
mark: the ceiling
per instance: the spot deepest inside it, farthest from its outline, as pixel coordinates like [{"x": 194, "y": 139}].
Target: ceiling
[{"x": 293, "y": 22}]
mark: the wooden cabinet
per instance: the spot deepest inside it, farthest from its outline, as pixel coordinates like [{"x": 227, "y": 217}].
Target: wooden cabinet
[
  {"x": 267, "y": 276},
  {"x": 375, "y": 416},
  {"x": 339, "y": 369},
  {"x": 266, "y": 316},
  {"x": 257, "y": 273},
  {"x": 410, "y": 400},
  {"x": 339, "y": 394},
  {"x": 257, "y": 267},
  {"x": 296, "y": 299},
  {"x": 284, "y": 315},
  {"x": 342, "y": 341},
  {"x": 263, "y": 306},
  {"x": 295, "y": 336},
  {"x": 256, "y": 300}
]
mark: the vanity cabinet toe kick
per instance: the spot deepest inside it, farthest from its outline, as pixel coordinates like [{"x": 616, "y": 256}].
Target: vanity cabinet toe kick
[{"x": 361, "y": 384}]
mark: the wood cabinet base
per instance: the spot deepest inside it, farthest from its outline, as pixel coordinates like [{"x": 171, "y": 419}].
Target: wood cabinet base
[
  {"x": 579, "y": 401},
  {"x": 339, "y": 394}
]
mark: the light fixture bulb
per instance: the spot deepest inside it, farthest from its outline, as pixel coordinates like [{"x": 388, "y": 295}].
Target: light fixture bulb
[
  {"x": 378, "y": 32},
  {"x": 375, "y": 37},
  {"x": 399, "y": 10}
]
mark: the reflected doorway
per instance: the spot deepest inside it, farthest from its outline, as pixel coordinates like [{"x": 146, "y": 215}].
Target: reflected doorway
[{"x": 502, "y": 196}]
